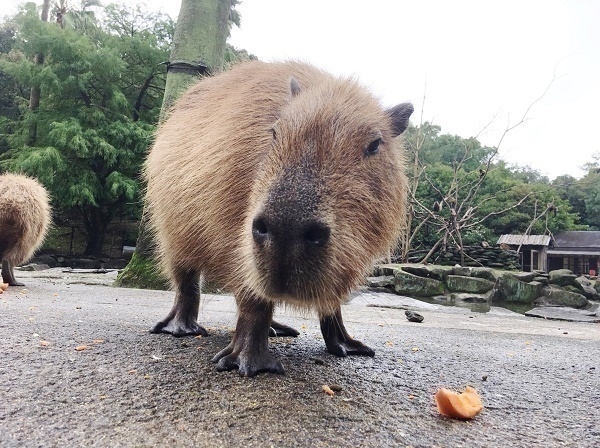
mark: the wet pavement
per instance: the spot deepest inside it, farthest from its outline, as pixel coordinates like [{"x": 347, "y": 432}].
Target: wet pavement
[{"x": 539, "y": 379}]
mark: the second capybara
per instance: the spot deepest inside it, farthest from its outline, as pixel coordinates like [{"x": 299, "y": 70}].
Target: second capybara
[
  {"x": 281, "y": 183},
  {"x": 24, "y": 221}
]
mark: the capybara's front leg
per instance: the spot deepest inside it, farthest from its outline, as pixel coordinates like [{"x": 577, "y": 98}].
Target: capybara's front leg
[
  {"x": 182, "y": 320},
  {"x": 337, "y": 339},
  {"x": 249, "y": 350},
  {"x": 8, "y": 274}
]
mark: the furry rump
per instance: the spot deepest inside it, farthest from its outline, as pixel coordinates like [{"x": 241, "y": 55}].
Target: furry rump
[{"x": 24, "y": 217}]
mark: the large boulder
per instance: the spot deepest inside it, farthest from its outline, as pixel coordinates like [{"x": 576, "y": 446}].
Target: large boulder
[
  {"x": 553, "y": 296},
  {"x": 464, "y": 271},
  {"x": 411, "y": 285},
  {"x": 459, "y": 283},
  {"x": 486, "y": 273},
  {"x": 380, "y": 281},
  {"x": 524, "y": 276},
  {"x": 511, "y": 289},
  {"x": 586, "y": 288},
  {"x": 561, "y": 277},
  {"x": 469, "y": 297},
  {"x": 436, "y": 272}
]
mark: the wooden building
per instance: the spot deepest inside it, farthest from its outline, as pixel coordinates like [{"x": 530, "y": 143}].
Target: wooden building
[{"x": 578, "y": 251}]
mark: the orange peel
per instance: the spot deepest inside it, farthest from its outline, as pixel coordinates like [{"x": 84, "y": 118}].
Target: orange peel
[{"x": 462, "y": 406}]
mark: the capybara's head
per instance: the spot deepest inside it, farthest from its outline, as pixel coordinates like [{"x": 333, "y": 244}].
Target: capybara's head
[{"x": 329, "y": 196}]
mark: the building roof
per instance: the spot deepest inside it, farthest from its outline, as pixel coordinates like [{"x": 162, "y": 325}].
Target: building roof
[
  {"x": 585, "y": 239},
  {"x": 524, "y": 240}
]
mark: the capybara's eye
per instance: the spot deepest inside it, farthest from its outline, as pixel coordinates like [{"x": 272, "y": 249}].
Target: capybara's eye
[
  {"x": 373, "y": 148},
  {"x": 274, "y": 132}
]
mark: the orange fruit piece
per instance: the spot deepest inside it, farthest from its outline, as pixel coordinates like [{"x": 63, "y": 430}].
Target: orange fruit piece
[{"x": 462, "y": 406}]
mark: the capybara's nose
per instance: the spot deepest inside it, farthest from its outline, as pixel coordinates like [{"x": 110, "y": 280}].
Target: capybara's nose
[
  {"x": 260, "y": 230},
  {"x": 316, "y": 233},
  {"x": 313, "y": 233}
]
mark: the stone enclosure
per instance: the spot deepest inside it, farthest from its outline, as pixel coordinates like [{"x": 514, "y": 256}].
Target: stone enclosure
[{"x": 560, "y": 288}]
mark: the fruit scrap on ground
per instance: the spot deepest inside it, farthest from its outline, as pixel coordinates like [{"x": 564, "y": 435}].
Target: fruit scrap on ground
[{"x": 462, "y": 406}]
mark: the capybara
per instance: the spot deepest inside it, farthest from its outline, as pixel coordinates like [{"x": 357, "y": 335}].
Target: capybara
[
  {"x": 281, "y": 183},
  {"x": 24, "y": 220}
]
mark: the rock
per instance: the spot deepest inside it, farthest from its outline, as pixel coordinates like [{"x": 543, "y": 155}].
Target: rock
[
  {"x": 459, "y": 283},
  {"x": 597, "y": 286},
  {"x": 49, "y": 260},
  {"x": 496, "y": 265},
  {"x": 413, "y": 285},
  {"x": 436, "y": 272},
  {"x": 587, "y": 291},
  {"x": 421, "y": 270},
  {"x": 381, "y": 281},
  {"x": 561, "y": 277},
  {"x": 413, "y": 317},
  {"x": 510, "y": 289},
  {"x": 486, "y": 273},
  {"x": 33, "y": 267},
  {"x": 543, "y": 280},
  {"x": 586, "y": 288},
  {"x": 554, "y": 296},
  {"x": 469, "y": 297},
  {"x": 462, "y": 271},
  {"x": 524, "y": 276},
  {"x": 387, "y": 269},
  {"x": 564, "y": 313}
]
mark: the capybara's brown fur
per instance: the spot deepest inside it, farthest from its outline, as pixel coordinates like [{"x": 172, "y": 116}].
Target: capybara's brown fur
[
  {"x": 279, "y": 182},
  {"x": 24, "y": 220}
]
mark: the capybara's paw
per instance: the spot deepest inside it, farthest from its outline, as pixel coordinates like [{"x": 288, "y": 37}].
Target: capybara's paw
[
  {"x": 281, "y": 330},
  {"x": 179, "y": 328},
  {"x": 247, "y": 364},
  {"x": 349, "y": 347}
]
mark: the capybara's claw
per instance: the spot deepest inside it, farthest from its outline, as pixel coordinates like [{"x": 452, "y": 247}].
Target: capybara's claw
[
  {"x": 247, "y": 364},
  {"x": 281, "y": 330},
  {"x": 337, "y": 339},
  {"x": 349, "y": 348},
  {"x": 179, "y": 328}
]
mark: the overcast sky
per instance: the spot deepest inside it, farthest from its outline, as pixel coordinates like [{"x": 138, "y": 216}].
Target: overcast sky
[{"x": 476, "y": 60}]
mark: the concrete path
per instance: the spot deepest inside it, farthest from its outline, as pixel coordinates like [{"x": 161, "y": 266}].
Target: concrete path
[{"x": 539, "y": 379}]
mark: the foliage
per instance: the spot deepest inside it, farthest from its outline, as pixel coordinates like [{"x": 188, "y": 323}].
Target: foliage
[{"x": 101, "y": 89}]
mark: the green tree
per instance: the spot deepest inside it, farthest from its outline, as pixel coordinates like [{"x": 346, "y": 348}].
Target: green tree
[
  {"x": 99, "y": 101},
  {"x": 589, "y": 185}
]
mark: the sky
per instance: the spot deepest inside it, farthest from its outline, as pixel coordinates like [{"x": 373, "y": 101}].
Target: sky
[{"x": 472, "y": 67}]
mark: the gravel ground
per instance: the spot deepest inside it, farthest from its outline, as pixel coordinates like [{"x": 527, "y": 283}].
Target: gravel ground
[{"x": 539, "y": 380}]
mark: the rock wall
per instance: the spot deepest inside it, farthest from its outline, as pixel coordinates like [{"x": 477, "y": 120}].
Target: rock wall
[
  {"x": 492, "y": 257},
  {"x": 481, "y": 284}
]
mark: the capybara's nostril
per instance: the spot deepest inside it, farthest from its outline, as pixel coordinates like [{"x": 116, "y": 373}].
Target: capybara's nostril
[
  {"x": 260, "y": 230},
  {"x": 317, "y": 234}
]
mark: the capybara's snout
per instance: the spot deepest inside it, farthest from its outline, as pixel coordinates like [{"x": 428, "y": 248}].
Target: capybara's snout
[
  {"x": 306, "y": 234},
  {"x": 291, "y": 244}
]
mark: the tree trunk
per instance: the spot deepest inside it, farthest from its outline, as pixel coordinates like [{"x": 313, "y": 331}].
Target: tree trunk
[
  {"x": 200, "y": 37},
  {"x": 96, "y": 224},
  {"x": 35, "y": 93}
]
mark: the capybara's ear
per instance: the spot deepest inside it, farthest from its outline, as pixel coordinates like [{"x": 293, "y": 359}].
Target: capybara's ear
[
  {"x": 399, "y": 116},
  {"x": 295, "y": 87}
]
